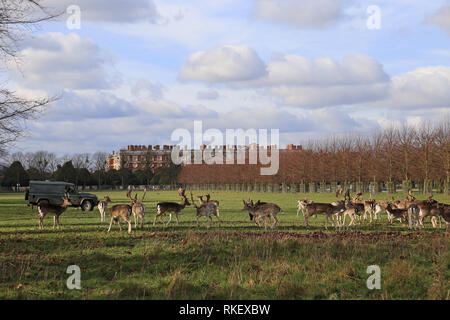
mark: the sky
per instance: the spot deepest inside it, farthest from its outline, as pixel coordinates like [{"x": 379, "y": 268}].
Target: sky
[{"x": 134, "y": 71}]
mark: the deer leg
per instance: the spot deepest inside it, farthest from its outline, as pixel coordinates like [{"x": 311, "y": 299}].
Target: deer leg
[
  {"x": 57, "y": 222},
  {"x": 170, "y": 219},
  {"x": 275, "y": 223},
  {"x": 110, "y": 224},
  {"x": 176, "y": 216},
  {"x": 54, "y": 222},
  {"x": 129, "y": 225},
  {"x": 207, "y": 221},
  {"x": 220, "y": 221},
  {"x": 306, "y": 218},
  {"x": 118, "y": 222}
]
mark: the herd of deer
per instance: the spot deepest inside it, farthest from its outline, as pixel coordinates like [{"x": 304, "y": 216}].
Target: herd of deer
[{"x": 409, "y": 210}]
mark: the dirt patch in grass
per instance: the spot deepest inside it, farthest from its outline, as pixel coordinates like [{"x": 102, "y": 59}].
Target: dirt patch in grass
[{"x": 315, "y": 236}]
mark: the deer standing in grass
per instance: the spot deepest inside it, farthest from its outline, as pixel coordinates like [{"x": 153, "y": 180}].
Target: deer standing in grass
[
  {"x": 137, "y": 208},
  {"x": 102, "y": 205},
  {"x": 56, "y": 210},
  {"x": 171, "y": 207},
  {"x": 120, "y": 211},
  {"x": 262, "y": 211},
  {"x": 207, "y": 210}
]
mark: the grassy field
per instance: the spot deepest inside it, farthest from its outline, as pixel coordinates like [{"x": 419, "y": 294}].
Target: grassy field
[{"x": 234, "y": 261}]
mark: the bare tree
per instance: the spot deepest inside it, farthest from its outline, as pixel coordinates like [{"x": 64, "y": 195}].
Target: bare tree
[
  {"x": 98, "y": 162},
  {"x": 443, "y": 149},
  {"x": 406, "y": 136},
  {"x": 16, "y": 18},
  {"x": 425, "y": 140}
]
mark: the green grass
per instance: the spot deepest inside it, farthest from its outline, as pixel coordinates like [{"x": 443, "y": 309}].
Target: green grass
[{"x": 236, "y": 261}]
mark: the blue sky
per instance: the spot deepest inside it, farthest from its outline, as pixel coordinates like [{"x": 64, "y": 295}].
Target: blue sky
[{"x": 137, "y": 70}]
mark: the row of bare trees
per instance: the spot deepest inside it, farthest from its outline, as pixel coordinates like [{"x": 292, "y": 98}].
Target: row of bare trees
[
  {"x": 44, "y": 164},
  {"x": 407, "y": 154}
]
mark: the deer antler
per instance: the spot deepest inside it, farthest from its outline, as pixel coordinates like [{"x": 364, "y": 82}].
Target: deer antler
[
  {"x": 129, "y": 195},
  {"x": 181, "y": 192}
]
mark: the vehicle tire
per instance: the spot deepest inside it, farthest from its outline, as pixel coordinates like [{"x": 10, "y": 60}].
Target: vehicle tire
[{"x": 86, "y": 205}]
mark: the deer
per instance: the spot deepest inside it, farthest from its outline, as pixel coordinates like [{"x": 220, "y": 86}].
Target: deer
[
  {"x": 352, "y": 211},
  {"x": 56, "y": 210},
  {"x": 171, "y": 208},
  {"x": 414, "y": 217},
  {"x": 396, "y": 213},
  {"x": 216, "y": 202},
  {"x": 120, "y": 211},
  {"x": 301, "y": 206},
  {"x": 206, "y": 209},
  {"x": 137, "y": 208},
  {"x": 339, "y": 192},
  {"x": 264, "y": 211},
  {"x": 444, "y": 212},
  {"x": 102, "y": 205},
  {"x": 328, "y": 209},
  {"x": 258, "y": 203}
]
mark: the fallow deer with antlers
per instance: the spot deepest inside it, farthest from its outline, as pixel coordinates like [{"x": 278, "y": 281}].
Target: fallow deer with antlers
[
  {"x": 171, "y": 208},
  {"x": 57, "y": 210},
  {"x": 137, "y": 208},
  {"x": 207, "y": 210}
]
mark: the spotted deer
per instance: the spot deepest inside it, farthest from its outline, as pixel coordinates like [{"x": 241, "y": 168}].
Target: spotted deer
[
  {"x": 102, "y": 205},
  {"x": 56, "y": 210},
  {"x": 171, "y": 208},
  {"x": 137, "y": 208},
  {"x": 207, "y": 210},
  {"x": 263, "y": 211},
  {"x": 328, "y": 209},
  {"x": 120, "y": 211}
]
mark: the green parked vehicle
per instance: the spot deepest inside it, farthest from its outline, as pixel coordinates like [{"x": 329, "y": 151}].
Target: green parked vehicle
[{"x": 51, "y": 192}]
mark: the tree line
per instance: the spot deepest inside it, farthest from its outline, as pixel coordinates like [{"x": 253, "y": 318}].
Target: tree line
[
  {"x": 414, "y": 156},
  {"x": 82, "y": 169}
]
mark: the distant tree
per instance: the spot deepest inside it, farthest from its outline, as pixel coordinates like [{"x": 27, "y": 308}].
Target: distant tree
[
  {"x": 66, "y": 172},
  {"x": 98, "y": 163},
  {"x": 144, "y": 176},
  {"x": 15, "y": 174}
]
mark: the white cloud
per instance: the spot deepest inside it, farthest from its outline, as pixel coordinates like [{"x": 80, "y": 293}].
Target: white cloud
[
  {"x": 427, "y": 87},
  {"x": 441, "y": 18},
  {"x": 109, "y": 10},
  {"x": 77, "y": 106},
  {"x": 223, "y": 64},
  {"x": 318, "y": 97},
  {"x": 300, "y": 13},
  {"x": 207, "y": 95},
  {"x": 297, "y": 70},
  {"x": 148, "y": 89},
  {"x": 55, "y": 60}
]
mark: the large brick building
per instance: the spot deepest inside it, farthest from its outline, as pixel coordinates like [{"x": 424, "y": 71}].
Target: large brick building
[{"x": 138, "y": 157}]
